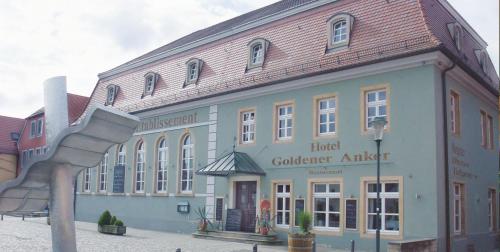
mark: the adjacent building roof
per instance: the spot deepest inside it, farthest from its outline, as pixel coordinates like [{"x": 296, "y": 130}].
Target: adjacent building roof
[
  {"x": 230, "y": 164},
  {"x": 76, "y": 106},
  {"x": 8, "y": 126}
]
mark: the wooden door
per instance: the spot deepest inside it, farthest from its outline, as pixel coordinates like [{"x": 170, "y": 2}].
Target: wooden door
[{"x": 246, "y": 192}]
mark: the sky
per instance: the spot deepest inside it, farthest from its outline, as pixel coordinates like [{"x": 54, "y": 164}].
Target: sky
[{"x": 79, "y": 39}]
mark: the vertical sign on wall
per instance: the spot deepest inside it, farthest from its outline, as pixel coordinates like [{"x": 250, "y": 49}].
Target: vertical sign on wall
[
  {"x": 351, "y": 213},
  {"x": 119, "y": 179},
  {"x": 219, "y": 204},
  {"x": 299, "y": 207}
]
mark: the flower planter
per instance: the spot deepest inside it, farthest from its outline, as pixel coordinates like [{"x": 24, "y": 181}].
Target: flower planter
[
  {"x": 112, "y": 229},
  {"x": 300, "y": 242}
]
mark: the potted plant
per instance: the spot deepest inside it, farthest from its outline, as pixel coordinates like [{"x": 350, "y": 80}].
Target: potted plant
[
  {"x": 303, "y": 239},
  {"x": 203, "y": 219},
  {"x": 264, "y": 221},
  {"x": 110, "y": 225}
]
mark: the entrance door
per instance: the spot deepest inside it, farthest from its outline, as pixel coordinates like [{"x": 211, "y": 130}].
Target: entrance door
[{"x": 246, "y": 201}]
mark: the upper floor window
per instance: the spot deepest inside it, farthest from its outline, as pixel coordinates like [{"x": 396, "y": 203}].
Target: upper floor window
[
  {"x": 139, "y": 179},
  {"x": 33, "y": 129},
  {"x": 284, "y": 121},
  {"x": 150, "y": 80},
  {"x": 376, "y": 104},
  {"x": 486, "y": 130},
  {"x": 456, "y": 34},
  {"x": 482, "y": 59},
  {"x": 339, "y": 28},
  {"x": 112, "y": 91},
  {"x": 326, "y": 115},
  {"x": 194, "y": 67},
  {"x": 39, "y": 127},
  {"x": 455, "y": 112},
  {"x": 121, "y": 155},
  {"x": 161, "y": 166},
  {"x": 247, "y": 126},
  {"x": 187, "y": 165},
  {"x": 257, "y": 50}
]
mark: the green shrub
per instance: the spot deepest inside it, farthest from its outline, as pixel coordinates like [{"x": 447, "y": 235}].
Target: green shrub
[
  {"x": 119, "y": 223},
  {"x": 105, "y": 218},
  {"x": 113, "y": 220},
  {"x": 305, "y": 219}
]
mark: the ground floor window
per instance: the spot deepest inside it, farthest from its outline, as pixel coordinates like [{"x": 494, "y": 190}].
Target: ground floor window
[
  {"x": 458, "y": 208},
  {"x": 86, "y": 180},
  {"x": 326, "y": 206},
  {"x": 389, "y": 207},
  {"x": 492, "y": 210},
  {"x": 282, "y": 204}
]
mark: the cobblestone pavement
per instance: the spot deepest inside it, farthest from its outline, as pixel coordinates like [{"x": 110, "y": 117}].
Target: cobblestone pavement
[{"x": 33, "y": 235}]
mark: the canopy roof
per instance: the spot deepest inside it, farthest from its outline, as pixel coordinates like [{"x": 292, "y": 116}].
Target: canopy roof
[{"x": 230, "y": 164}]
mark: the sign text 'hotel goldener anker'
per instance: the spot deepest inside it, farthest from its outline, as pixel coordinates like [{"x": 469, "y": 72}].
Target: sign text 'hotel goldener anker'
[{"x": 326, "y": 149}]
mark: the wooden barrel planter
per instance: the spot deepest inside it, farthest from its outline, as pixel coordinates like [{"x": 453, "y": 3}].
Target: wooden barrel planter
[{"x": 300, "y": 242}]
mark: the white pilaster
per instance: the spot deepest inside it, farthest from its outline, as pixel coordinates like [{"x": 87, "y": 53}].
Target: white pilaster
[{"x": 212, "y": 145}]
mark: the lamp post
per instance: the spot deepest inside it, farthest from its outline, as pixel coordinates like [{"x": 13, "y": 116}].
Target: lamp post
[{"x": 378, "y": 133}]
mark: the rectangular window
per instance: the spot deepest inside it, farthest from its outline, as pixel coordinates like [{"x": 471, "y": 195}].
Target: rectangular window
[
  {"x": 39, "y": 127},
  {"x": 45, "y": 149},
  {"x": 376, "y": 106},
  {"x": 247, "y": 130},
  {"x": 326, "y": 206},
  {"x": 458, "y": 208},
  {"x": 31, "y": 152},
  {"x": 492, "y": 218},
  {"x": 489, "y": 132},
  {"x": 103, "y": 174},
  {"x": 455, "y": 113},
  {"x": 326, "y": 116},
  {"x": 483, "y": 129},
  {"x": 284, "y": 125},
  {"x": 38, "y": 151},
  {"x": 389, "y": 207},
  {"x": 282, "y": 205},
  {"x": 25, "y": 157},
  {"x": 299, "y": 208},
  {"x": 86, "y": 180},
  {"x": 33, "y": 129}
]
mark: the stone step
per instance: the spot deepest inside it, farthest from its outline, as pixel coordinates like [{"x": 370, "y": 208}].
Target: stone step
[{"x": 241, "y": 237}]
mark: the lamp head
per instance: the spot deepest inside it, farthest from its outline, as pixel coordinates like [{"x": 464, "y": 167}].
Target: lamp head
[{"x": 378, "y": 128}]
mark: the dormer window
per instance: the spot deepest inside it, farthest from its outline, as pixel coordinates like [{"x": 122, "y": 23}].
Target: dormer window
[
  {"x": 456, "y": 34},
  {"x": 194, "y": 67},
  {"x": 257, "y": 50},
  {"x": 112, "y": 91},
  {"x": 150, "y": 80},
  {"x": 482, "y": 59},
  {"x": 339, "y": 28}
]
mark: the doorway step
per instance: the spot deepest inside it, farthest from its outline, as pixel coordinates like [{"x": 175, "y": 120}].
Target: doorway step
[{"x": 241, "y": 237}]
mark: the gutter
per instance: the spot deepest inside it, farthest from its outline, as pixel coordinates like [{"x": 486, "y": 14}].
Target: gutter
[{"x": 446, "y": 155}]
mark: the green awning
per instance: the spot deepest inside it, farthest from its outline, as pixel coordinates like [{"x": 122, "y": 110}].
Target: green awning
[{"x": 231, "y": 164}]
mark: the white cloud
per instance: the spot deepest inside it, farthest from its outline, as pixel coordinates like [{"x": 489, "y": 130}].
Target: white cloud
[{"x": 40, "y": 39}]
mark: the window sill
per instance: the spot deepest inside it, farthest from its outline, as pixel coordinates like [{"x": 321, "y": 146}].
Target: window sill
[
  {"x": 101, "y": 193},
  {"x": 247, "y": 144},
  {"x": 326, "y": 136},
  {"x": 253, "y": 69},
  {"x": 184, "y": 195},
  {"x": 138, "y": 194},
  {"x": 159, "y": 194},
  {"x": 283, "y": 141},
  {"x": 327, "y": 231},
  {"x": 337, "y": 48}
]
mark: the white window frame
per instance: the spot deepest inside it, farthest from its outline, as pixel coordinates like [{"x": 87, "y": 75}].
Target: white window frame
[
  {"x": 489, "y": 132},
  {"x": 103, "y": 174},
  {"x": 193, "y": 71},
  {"x": 33, "y": 129},
  {"x": 150, "y": 80},
  {"x": 256, "y": 58},
  {"x": 285, "y": 122},
  {"x": 340, "y": 25},
  {"x": 457, "y": 212},
  {"x": 327, "y": 195},
  {"x": 87, "y": 176},
  {"x": 38, "y": 151},
  {"x": 140, "y": 166},
  {"x": 122, "y": 155},
  {"x": 455, "y": 112},
  {"x": 383, "y": 196},
  {"x": 344, "y": 22},
  {"x": 327, "y": 111},
  {"x": 377, "y": 104},
  {"x": 187, "y": 164},
  {"x": 282, "y": 195},
  {"x": 31, "y": 152},
  {"x": 248, "y": 127},
  {"x": 162, "y": 167},
  {"x": 39, "y": 127}
]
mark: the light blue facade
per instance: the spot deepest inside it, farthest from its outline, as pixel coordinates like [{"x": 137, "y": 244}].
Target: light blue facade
[{"x": 412, "y": 154}]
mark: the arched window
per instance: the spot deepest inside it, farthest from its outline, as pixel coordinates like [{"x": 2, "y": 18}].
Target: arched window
[
  {"x": 162, "y": 164},
  {"x": 339, "y": 27},
  {"x": 482, "y": 59},
  {"x": 87, "y": 176},
  {"x": 103, "y": 173},
  {"x": 187, "y": 165},
  {"x": 257, "y": 53},
  {"x": 150, "y": 80},
  {"x": 139, "y": 168},
  {"x": 112, "y": 91},
  {"x": 339, "y": 31},
  {"x": 121, "y": 155},
  {"x": 193, "y": 71},
  {"x": 455, "y": 30}
]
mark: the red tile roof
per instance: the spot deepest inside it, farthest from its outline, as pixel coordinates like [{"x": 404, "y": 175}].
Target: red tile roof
[
  {"x": 76, "y": 106},
  {"x": 7, "y": 126}
]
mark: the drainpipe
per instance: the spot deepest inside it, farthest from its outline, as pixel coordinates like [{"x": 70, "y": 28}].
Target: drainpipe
[{"x": 446, "y": 154}]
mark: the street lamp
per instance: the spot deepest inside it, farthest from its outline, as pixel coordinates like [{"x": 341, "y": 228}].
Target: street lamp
[{"x": 378, "y": 133}]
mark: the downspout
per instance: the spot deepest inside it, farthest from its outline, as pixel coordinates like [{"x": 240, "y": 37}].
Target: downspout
[{"x": 446, "y": 154}]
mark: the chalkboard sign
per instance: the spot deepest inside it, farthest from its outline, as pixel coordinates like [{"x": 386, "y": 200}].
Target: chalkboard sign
[
  {"x": 233, "y": 220},
  {"x": 351, "y": 209},
  {"x": 219, "y": 203},
  {"x": 299, "y": 207},
  {"x": 119, "y": 179}
]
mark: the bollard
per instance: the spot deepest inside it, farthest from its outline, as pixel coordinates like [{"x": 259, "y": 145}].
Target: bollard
[
  {"x": 254, "y": 248},
  {"x": 2, "y": 216},
  {"x": 23, "y": 217},
  {"x": 352, "y": 245},
  {"x": 314, "y": 246},
  {"x": 178, "y": 250}
]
